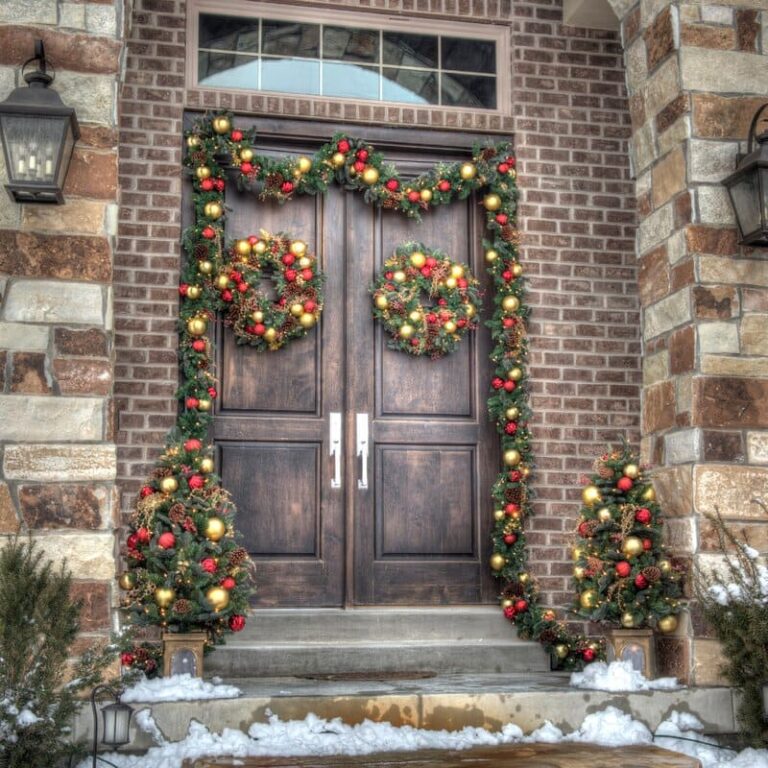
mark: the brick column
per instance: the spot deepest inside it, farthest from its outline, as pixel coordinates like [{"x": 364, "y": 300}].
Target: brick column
[
  {"x": 57, "y": 452},
  {"x": 705, "y": 307}
]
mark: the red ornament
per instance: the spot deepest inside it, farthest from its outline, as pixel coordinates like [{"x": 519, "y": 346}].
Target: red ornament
[
  {"x": 343, "y": 145},
  {"x": 193, "y": 444},
  {"x": 227, "y": 583},
  {"x": 643, "y": 515},
  {"x": 462, "y": 282},
  {"x": 183, "y": 288},
  {"x": 510, "y": 539},
  {"x": 226, "y": 295},
  {"x": 512, "y": 509},
  {"x": 126, "y": 659},
  {"x": 415, "y": 342},
  {"x": 461, "y": 323},
  {"x": 624, "y": 484},
  {"x": 502, "y": 168},
  {"x": 288, "y": 259},
  {"x": 623, "y": 569},
  {"x": 496, "y": 383},
  {"x": 510, "y": 428},
  {"x": 431, "y": 262},
  {"x": 521, "y": 605},
  {"x": 132, "y": 541},
  {"x": 236, "y": 135},
  {"x": 146, "y": 491},
  {"x": 310, "y": 306},
  {"x": 208, "y": 233},
  {"x": 509, "y": 386},
  {"x": 444, "y": 185},
  {"x": 208, "y": 565},
  {"x": 647, "y": 544},
  {"x": 509, "y": 612},
  {"x": 192, "y": 403},
  {"x": 198, "y": 345},
  {"x": 286, "y": 187},
  {"x": 512, "y": 161},
  {"x": 259, "y": 329},
  {"x": 508, "y": 322},
  {"x": 502, "y": 218},
  {"x": 515, "y": 475},
  {"x": 196, "y": 481},
  {"x": 212, "y": 392},
  {"x": 362, "y": 154},
  {"x": 144, "y": 535},
  {"x": 206, "y": 185},
  {"x": 252, "y": 240},
  {"x": 640, "y": 581},
  {"x": 166, "y": 540},
  {"x": 359, "y": 166},
  {"x": 413, "y": 196},
  {"x": 507, "y": 276},
  {"x": 237, "y": 623},
  {"x": 588, "y": 654},
  {"x": 242, "y": 287},
  {"x": 290, "y": 275},
  {"x": 307, "y": 273},
  {"x": 246, "y": 167},
  {"x": 392, "y": 185},
  {"x": 219, "y": 184},
  {"x": 584, "y": 529},
  {"x": 426, "y": 271}
]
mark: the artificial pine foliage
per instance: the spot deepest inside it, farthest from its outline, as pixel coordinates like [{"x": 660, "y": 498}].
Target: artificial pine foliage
[
  {"x": 38, "y": 690},
  {"x": 734, "y": 602},
  {"x": 622, "y": 574}
]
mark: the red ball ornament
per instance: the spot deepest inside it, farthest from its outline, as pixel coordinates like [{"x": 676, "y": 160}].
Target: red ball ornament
[
  {"x": 510, "y": 539},
  {"x": 290, "y": 275},
  {"x": 624, "y": 484},
  {"x": 198, "y": 345},
  {"x": 584, "y": 529},
  {"x": 444, "y": 185},
  {"x": 236, "y": 135},
  {"x": 146, "y": 491},
  {"x": 643, "y": 515},
  {"x": 259, "y": 329},
  {"x": 511, "y": 161},
  {"x": 511, "y": 509},
  {"x": 502, "y": 168},
  {"x": 144, "y": 535},
  {"x": 226, "y": 295},
  {"x": 166, "y": 540},
  {"x": 307, "y": 274},
  {"x": 218, "y": 184},
  {"x": 183, "y": 288},
  {"x": 242, "y": 287},
  {"x": 413, "y": 196},
  {"x": 521, "y": 605},
  {"x": 623, "y": 569},
  {"x": 509, "y": 386},
  {"x": 359, "y": 166},
  {"x": 515, "y": 475},
  {"x": 496, "y": 383},
  {"x": 193, "y": 444},
  {"x": 509, "y": 612},
  {"x": 227, "y": 583},
  {"x": 342, "y": 145},
  {"x": 392, "y": 185},
  {"x": 126, "y": 658},
  {"x": 502, "y": 218},
  {"x": 208, "y": 565},
  {"x": 510, "y": 427},
  {"x": 462, "y": 283},
  {"x": 288, "y": 259},
  {"x": 206, "y": 185},
  {"x": 237, "y": 623},
  {"x": 212, "y": 393},
  {"x": 431, "y": 262},
  {"x": 196, "y": 481},
  {"x": 310, "y": 306},
  {"x": 132, "y": 541},
  {"x": 640, "y": 581},
  {"x": 507, "y": 276},
  {"x": 246, "y": 167},
  {"x": 208, "y": 233},
  {"x": 426, "y": 271},
  {"x": 508, "y": 322},
  {"x": 588, "y": 654},
  {"x": 192, "y": 403},
  {"x": 286, "y": 187},
  {"x": 362, "y": 154},
  {"x": 647, "y": 544}
]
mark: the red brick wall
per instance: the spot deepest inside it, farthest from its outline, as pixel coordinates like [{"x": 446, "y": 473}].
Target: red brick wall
[{"x": 570, "y": 125}]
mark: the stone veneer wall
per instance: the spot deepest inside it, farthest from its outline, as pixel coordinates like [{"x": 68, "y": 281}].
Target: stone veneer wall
[
  {"x": 571, "y": 128},
  {"x": 57, "y": 450},
  {"x": 696, "y": 72}
]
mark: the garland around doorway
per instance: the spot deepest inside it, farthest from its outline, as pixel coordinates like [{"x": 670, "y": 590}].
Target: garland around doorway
[{"x": 224, "y": 276}]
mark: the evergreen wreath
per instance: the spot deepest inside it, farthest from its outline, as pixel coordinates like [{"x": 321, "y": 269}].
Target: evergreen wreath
[{"x": 434, "y": 330}]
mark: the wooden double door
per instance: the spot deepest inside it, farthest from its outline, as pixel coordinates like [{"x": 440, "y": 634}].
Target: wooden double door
[{"x": 400, "y": 513}]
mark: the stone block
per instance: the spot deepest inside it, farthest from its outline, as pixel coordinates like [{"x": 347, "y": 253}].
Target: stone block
[
  {"x": 23, "y": 337},
  {"x": 711, "y": 161},
  {"x": 101, "y": 19},
  {"x": 677, "y": 248},
  {"x": 721, "y": 365},
  {"x": 3, "y": 363},
  {"x": 682, "y": 350},
  {"x": 9, "y": 520},
  {"x": 669, "y": 313},
  {"x": 655, "y": 229},
  {"x": 682, "y": 447},
  {"x": 715, "y": 302},
  {"x": 660, "y": 37},
  {"x": 757, "y": 447},
  {"x": 672, "y": 112},
  {"x": 679, "y": 536},
  {"x": 663, "y": 86},
  {"x": 93, "y": 96},
  {"x": 722, "y": 446},
  {"x": 674, "y": 490},
  {"x": 675, "y": 135},
  {"x": 89, "y": 555},
  {"x": 713, "y": 207},
  {"x": 655, "y": 368},
  {"x": 713, "y": 241},
  {"x": 63, "y": 506},
  {"x": 684, "y": 393},
  {"x": 643, "y": 147},
  {"x": 637, "y": 66},
  {"x": 754, "y": 335},
  {"x": 79, "y": 217},
  {"x": 35, "y": 419},
  {"x": 718, "y": 338},
  {"x": 653, "y": 276},
  {"x": 88, "y": 343},
  {"x": 755, "y": 534},
  {"x": 39, "y": 301},
  {"x": 704, "y": 69},
  {"x": 68, "y": 257},
  {"x": 9, "y": 214},
  {"x": 668, "y": 177},
  {"x": 673, "y": 658},
  {"x": 72, "y": 16},
  {"x": 708, "y": 662},
  {"x": 708, "y": 36},
  {"x": 94, "y": 596},
  {"x": 92, "y": 175},
  {"x": 747, "y": 29},
  {"x": 754, "y": 299},
  {"x": 731, "y": 489},
  {"x": 730, "y": 402},
  {"x": 83, "y": 377},
  {"x": 24, "y": 12},
  {"x": 716, "y": 14},
  {"x": 28, "y": 374},
  {"x": 659, "y": 407},
  {"x": 60, "y": 462},
  {"x": 723, "y": 117}
]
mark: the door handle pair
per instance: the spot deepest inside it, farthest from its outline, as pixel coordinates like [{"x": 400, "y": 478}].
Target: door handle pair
[{"x": 361, "y": 437}]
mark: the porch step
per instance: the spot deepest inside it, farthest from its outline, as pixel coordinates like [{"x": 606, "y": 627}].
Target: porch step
[{"x": 376, "y": 641}]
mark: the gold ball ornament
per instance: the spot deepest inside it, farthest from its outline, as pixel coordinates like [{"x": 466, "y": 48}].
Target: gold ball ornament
[
  {"x": 307, "y": 320},
  {"x": 197, "y": 326},
  {"x": 418, "y": 259},
  {"x": 222, "y": 282},
  {"x": 591, "y": 495},
  {"x": 203, "y": 172},
  {"x": 632, "y": 546},
  {"x": 259, "y": 247},
  {"x": 370, "y": 176},
  {"x": 305, "y": 262},
  {"x": 270, "y": 335},
  {"x": 515, "y": 374},
  {"x": 577, "y": 553},
  {"x": 297, "y": 309},
  {"x": 193, "y": 141},
  {"x": 451, "y": 283},
  {"x": 468, "y": 171},
  {"x": 450, "y": 327},
  {"x": 213, "y": 211},
  {"x": 425, "y": 195},
  {"x": 470, "y": 310},
  {"x": 667, "y": 624},
  {"x": 561, "y": 651},
  {"x": 338, "y": 160},
  {"x": 588, "y": 599},
  {"x": 204, "y": 404},
  {"x": 304, "y": 164},
  {"x": 512, "y": 457},
  {"x": 517, "y": 269},
  {"x": 221, "y": 124},
  {"x": 298, "y": 248},
  {"x": 218, "y": 597},
  {"x": 632, "y": 471},
  {"x": 457, "y": 271},
  {"x": 257, "y": 316},
  {"x": 665, "y": 567},
  {"x": 246, "y": 155},
  {"x": 498, "y": 514},
  {"x": 604, "y": 514},
  {"x": 579, "y": 572},
  {"x": 491, "y": 255},
  {"x": 512, "y": 413},
  {"x": 399, "y": 276},
  {"x": 215, "y": 528},
  {"x": 510, "y": 303},
  {"x": 649, "y": 494},
  {"x": 381, "y": 302},
  {"x": 194, "y": 292},
  {"x": 127, "y": 580},
  {"x": 492, "y": 202},
  {"x": 243, "y": 248},
  {"x": 406, "y": 331},
  {"x": 526, "y": 471},
  {"x": 498, "y": 561},
  {"x": 507, "y": 603},
  {"x": 627, "y": 620},
  {"x": 169, "y": 485},
  {"x": 415, "y": 316},
  {"x": 164, "y": 596},
  {"x": 523, "y": 578},
  {"x": 207, "y": 465},
  {"x": 205, "y": 267}
]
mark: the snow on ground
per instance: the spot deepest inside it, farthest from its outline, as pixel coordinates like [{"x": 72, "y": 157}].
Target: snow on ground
[
  {"x": 177, "y": 688},
  {"x": 618, "y": 676}
]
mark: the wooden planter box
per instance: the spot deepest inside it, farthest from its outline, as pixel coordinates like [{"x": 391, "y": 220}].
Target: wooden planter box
[
  {"x": 183, "y": 652},
  {"x": 635, "y": 645}
]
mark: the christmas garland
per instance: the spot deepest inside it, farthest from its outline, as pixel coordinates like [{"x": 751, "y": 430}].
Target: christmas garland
[
  {"x": 433, "y": 330},
  {"x": 215, "y": 148}
]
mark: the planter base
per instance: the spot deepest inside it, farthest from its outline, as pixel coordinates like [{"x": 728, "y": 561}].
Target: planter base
[
  {"x": 635, "y": 645},
  {"x": 183, "y": 653}
]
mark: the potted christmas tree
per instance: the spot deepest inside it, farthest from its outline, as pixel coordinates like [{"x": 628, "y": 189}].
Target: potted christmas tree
[{"x": 624, "y": 578}]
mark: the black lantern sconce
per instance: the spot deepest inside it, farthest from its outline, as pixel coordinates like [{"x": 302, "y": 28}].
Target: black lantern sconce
[
  {"x": 38, "y": 133},
  {"x": 748, "y": 188},
  {"x": 116, "y": 718}
]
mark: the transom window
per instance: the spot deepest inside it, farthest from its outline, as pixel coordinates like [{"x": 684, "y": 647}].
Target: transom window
[{"x": 281, "y": 53}]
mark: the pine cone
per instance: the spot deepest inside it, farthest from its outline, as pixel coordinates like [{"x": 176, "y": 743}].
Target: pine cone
[
  {"x": 237, "y": 556},
  {"x": 182, "y": 606},
  {"x": 513, "y": 589},
  {"x": 514, "y": 495},
  {"x": 591, "y": 526},
  {"x": 602, "y": 469},
  {"x": 510, "y": 234},
  {"x": 488, "y": 153},
  {"x": 176, "y": 513},
  {"x": 201, "y": 252},
  {"x": 548, "y": 637},
  {"x": 389, "y": 202},
  {"x": 652, "y": 574},
  {"x": 595, "y": 564}
]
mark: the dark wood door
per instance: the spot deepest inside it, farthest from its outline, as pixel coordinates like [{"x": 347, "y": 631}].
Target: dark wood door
[{"x": 418, "y": 533}]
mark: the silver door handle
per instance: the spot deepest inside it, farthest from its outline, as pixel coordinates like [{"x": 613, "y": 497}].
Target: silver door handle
[
  {"x": 335, "y": 440},
  {"x": 362, "y": 448}
]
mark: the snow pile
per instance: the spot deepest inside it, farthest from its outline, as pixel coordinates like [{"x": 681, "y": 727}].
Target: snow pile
[
  {"x": 618, "y": 676},
  {"x": 177, "y": 688}
]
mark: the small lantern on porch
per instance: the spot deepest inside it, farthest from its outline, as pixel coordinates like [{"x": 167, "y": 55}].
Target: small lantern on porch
[
  {"x": 636, "y": 646},
  {"x": 38, "y": 133},
  {"x": 183, "y": 653},
  {"x": 748, "y": 188},
  {"x": 116, "y": 719}
]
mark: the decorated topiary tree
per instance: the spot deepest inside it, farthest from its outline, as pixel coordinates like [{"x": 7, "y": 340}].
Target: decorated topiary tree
[{"x": 622, "y": 573}]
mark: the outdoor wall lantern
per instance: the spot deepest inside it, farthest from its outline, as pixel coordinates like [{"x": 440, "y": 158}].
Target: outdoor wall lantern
[
  {"x": 748, "y": 188},
  {"x": 764, "y": 691},
  {"x": 38, "y": 132},
  {"x": 116, "y": 720}
]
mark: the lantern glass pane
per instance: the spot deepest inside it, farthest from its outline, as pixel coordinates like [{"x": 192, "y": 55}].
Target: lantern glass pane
[
  {"x": 33, "y": 144},
  {"x": 65, "y": 155},
  {"x": 635, "y": 654},
  {"x": 184, "y": 662},
  {"x": 117, "y": 719},
  {"x": 745, "y": 195}
]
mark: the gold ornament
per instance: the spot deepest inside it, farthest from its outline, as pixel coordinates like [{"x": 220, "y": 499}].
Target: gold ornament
[
  {"x": 649, "y": 494},
  {"x": 468, "y": 171},
  {"x": 507, "y": 603},
  {"x": 213, "y": 211},
  {"x": 523, "y": 578},
  {"x": 258, "y": 316},
  {"x": 298, "y": 248},
  {"x": 579, "y": 572},
  {"x": 517, "y": 269},
  {"x": 515, "y": 374},
  {"x": 627, "y": 620},
  {"x": 222, "y": 282},
  {"x": 492, "y": 202},
  {"x": 498, "y": 561},
  {"x": 470, "y": 310},
  {"x": 591, "y": 495},
  {"x": 370, "y": 176},
  {"x": 399, "y": 276},
  {"x": 338, "y": 160},
  {"x": 193, "y": 141},
  {"x": 406, "y": 331},
  {"x": 221, "y": 124},
  {"x": 498, "y": 514},
  {"x": 215, "y": 528},
  {"x": 259, "y": 247},
  {"x": 510, "y": 303},
  {"x": 169, "y": 485},
  {"x": 304, "y": 164},
  {"x": 512, "y": 457},
  {"x": 632, "y": 471},
  {"x": 526, "y": 471},
  {"x": 218, "y": 597},
  {"x": 270, "y": 335},
  {"x": 203, "y": 172},
  {"x": 194, "y": 292},
  {"x": 667, "y": 624},
  {"x": 197, "y": 326},
  {"x": 305, "y": 262},
  {"x": 297, "y": 309},
  {"x": 577, "y": 553},
  {"x": 665, "y": 567},
  {"x": 604, "y": 514},
  {"x": 307, "y": 320},
  {"x": 418, "y": 259},
  {"x": 381, "y": 302},
  {"x": 450, "y": 326},
  {"x": 491, "y": 255},
  {"x": 205, "y": 267},
  {"x": 561, "y": 651},
  {"x": 457, "y": 271},
  {"x": 127, "y": 580},
  {"x": 512, "y": 413},
  {"x": 243, "y": 248},
  {"x": 425, "y": 195},
  {"x": 415, "y": 316},
  {"x": 206, "y": 465},
  {"x": 164, "y": 596},
  {"x": 246, "y": 155},
  {"x": 451, "y": 283},
  {"x": 204, "y": 404},
  {"x": 632, "y": 546},
  {"x": 588, "y": 599}
]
